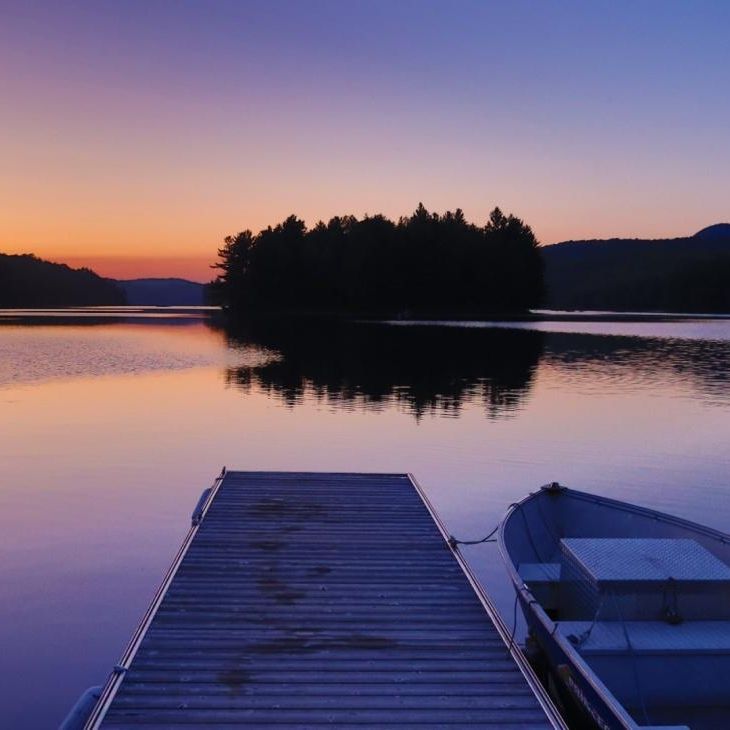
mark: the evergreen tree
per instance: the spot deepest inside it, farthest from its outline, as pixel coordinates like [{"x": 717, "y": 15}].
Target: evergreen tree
[{"x": 423, "y": 264}]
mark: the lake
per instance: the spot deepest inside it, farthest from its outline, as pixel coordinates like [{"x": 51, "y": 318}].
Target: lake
[{"x": 112, "y": 421}]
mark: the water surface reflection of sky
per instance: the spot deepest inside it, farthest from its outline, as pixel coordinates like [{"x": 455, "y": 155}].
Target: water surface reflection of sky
[{"x": 109, "y": 431}]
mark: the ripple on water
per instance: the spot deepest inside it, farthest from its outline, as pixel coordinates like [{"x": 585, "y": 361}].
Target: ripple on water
[{"x": 36, "y": 354}]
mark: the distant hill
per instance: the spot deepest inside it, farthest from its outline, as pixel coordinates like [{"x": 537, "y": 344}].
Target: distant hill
[
  {"x": 27, "y": 281},
  {"x": 677, "y": 274},
  {"x": 713, "y": 233},
  {"x": 163, "y": 292}
]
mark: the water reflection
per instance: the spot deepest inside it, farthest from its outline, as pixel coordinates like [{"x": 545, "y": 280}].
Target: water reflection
[
  {"x": 109, "y": 432},
  {"x": 373, "y": 366},
  {"x": 436, "y": 370},
  {"x": 642, "y": 362},
  {"x": 87, "y": 316},
  {"x": 419, "y": 369}
]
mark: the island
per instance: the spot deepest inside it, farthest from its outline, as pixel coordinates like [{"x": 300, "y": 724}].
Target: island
[{"x": 423, "y": 265}]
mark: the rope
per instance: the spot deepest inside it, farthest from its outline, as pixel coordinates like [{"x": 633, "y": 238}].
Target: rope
[
  {"x": 670, "y": 604},
  {"x": 528, "y": 531},
  {"x": 634, "y": 664},
  {"x": 554, "y": 536},
  {"x": 453, "y": 542},
  {"x": 511, "y": 644},
  {"x": 582, "y": 638}
]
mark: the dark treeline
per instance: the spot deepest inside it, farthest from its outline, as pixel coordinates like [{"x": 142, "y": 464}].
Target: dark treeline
[
  {"x": 426, "y": 264},
  {"x": 27, "y": 281},
  {"x": 670, "y": 275}
]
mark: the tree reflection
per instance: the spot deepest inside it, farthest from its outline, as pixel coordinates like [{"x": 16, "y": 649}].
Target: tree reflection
[
  {"x": 426, "y": 369},
  {"x": 643, "y": 362},
  {"x": 370, "y": 366}
]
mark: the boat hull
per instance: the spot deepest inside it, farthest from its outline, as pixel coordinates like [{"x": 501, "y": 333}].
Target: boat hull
[
  {"x": 634, "y": 657},
  {"x": 574, "y": 691}
]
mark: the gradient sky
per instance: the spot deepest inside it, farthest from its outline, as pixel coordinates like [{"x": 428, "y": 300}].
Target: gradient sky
[{"x": 135, "y": 135}]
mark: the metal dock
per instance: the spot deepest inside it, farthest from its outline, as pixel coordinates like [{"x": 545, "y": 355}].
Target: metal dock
[{"x": 303, "y": 600}]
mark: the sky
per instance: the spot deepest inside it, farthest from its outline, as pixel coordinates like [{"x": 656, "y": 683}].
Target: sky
[{"x": 134, "y": 136}]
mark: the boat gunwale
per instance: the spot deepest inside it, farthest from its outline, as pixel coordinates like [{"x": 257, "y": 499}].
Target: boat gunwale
[{"x": 551, "y": 627}]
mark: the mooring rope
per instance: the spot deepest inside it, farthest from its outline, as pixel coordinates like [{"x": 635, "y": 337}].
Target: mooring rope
[
  {"x": 634, "y": 663},
  {"x": 511, "y": 644},
  {"x": 580, "y": 639},
  {"x": 453, "y": 542}
]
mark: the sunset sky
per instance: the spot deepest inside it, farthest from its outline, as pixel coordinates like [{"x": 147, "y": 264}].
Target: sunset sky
[{"x": 135, "y": 135}]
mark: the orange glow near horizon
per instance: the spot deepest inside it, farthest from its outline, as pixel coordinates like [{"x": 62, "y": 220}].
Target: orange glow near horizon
[
  {"x": 187, "y": 247},
  {"x": 193, "y": 268},
  {"x": 135, "y": 151}
]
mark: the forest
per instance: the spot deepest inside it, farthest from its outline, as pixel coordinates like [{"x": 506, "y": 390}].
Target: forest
[
  {"x": 425, "y": 264},
  {"x": 670, "y": 275},
  {"x": 28, "y": 281}
]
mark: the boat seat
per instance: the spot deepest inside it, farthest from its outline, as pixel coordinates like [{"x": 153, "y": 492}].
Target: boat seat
[
  {"x": 651, "y": 637},
  {"x": 542, "y": 579}
]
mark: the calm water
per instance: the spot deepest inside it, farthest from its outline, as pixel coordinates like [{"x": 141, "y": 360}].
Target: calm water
[{"x": 111, "y": 424}]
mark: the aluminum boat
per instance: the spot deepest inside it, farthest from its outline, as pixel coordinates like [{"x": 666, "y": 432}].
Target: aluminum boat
[{"x": 629, "y": 607}]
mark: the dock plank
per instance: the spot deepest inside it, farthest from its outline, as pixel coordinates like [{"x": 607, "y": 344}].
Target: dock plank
[{"x": 307, "y": 600}]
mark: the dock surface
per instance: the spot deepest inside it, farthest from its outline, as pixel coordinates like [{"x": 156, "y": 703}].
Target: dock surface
[{"x": 304, "y": 600}]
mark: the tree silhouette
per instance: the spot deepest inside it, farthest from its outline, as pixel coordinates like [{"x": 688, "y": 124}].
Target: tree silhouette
[
  {"x": 424, "y": 264},
  {"x": 27, "y": 281},
  {"x": 670, "y": 275}
]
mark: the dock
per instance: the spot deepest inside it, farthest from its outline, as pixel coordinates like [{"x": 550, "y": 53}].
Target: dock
[{"x": 310, "y": 600}]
